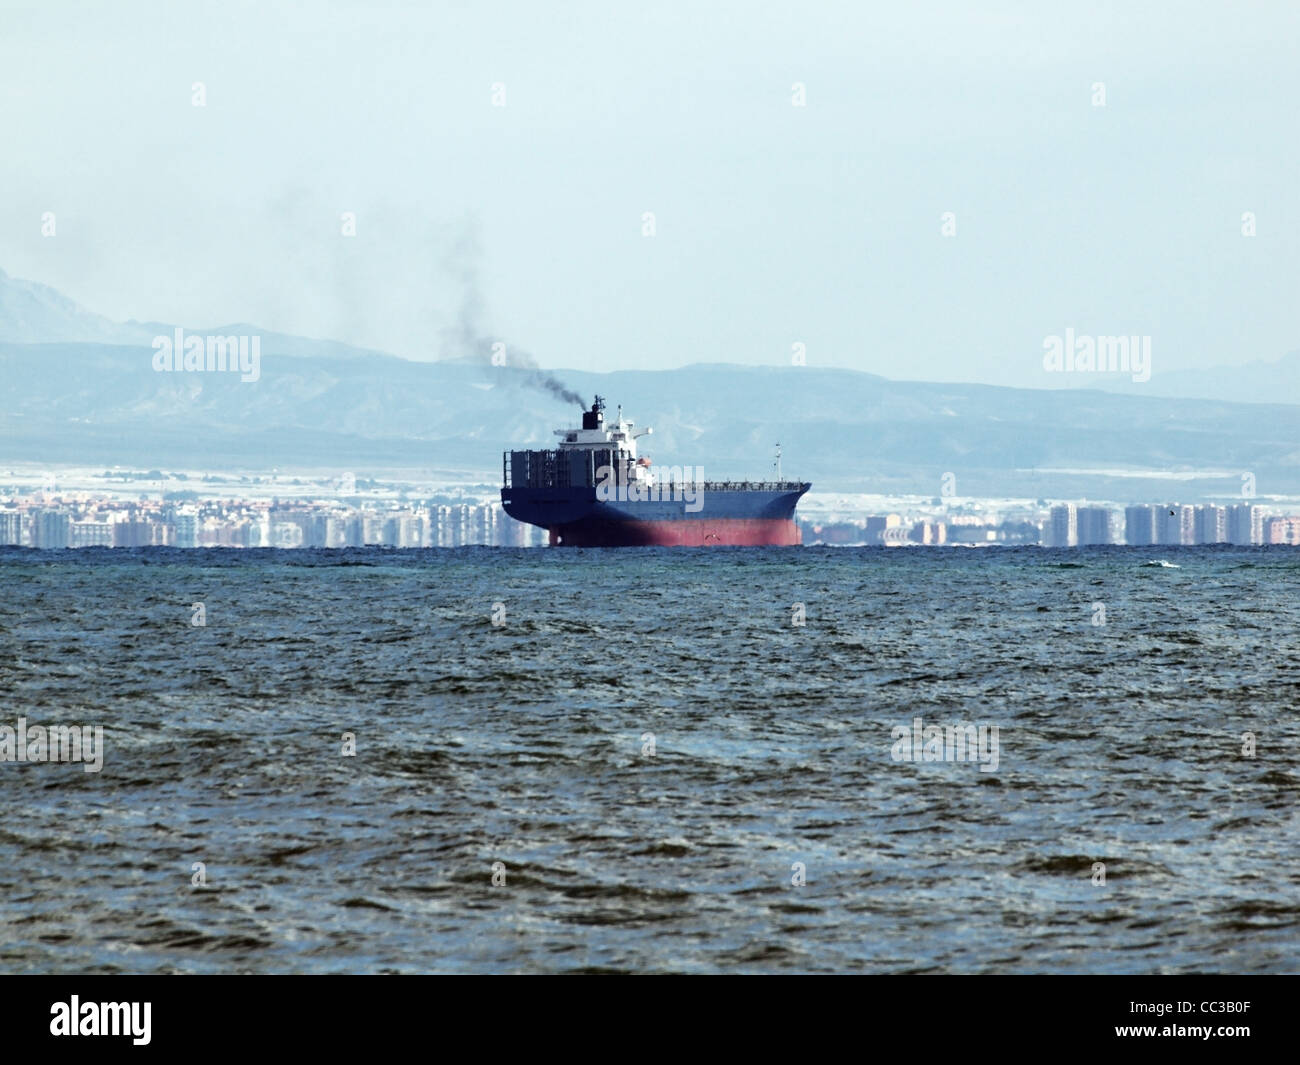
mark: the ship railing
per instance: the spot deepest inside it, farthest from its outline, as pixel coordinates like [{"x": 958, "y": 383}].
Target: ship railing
[
  {"x": 755, "y": 486},
  {"x": 739, "y": 486}
]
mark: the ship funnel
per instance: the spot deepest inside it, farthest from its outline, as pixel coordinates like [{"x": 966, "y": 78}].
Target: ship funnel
[{"x": 594, "y": 418}]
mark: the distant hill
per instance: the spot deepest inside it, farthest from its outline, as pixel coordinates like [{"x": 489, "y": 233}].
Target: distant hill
[
  {"x": 90, "y": 403},
  {"x": 32, "y": 313},
  {"x": 92, "y": 397},
  {"x": 1252, "y": 382}
]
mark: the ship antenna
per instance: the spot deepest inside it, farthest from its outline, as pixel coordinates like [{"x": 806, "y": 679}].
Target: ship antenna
[{"x": 778, "y": 460}]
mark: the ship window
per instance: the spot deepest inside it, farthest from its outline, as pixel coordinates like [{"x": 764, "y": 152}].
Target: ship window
[{"x": 571, "y": 438}]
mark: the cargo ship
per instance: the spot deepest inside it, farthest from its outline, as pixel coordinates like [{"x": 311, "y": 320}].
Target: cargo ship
[{"x": 594, "y": 490}]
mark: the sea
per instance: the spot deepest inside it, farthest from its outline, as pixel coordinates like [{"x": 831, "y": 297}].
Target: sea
[{"x": 752, "y": 760}]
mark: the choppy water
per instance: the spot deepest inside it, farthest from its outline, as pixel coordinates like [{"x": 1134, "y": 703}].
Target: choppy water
[{"x": 522, "y": 743}]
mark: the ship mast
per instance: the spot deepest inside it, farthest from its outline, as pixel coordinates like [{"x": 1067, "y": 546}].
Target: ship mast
[{"x": 777, "y": 464}]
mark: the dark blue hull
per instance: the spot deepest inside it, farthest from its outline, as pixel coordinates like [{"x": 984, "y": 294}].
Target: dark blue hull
[{"x": 732, "y": 514}]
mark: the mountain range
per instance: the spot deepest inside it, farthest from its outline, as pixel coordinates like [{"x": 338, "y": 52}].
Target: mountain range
[{"x": 79, "y": 388}]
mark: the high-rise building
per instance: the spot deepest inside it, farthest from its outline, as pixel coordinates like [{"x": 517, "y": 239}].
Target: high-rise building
[
  {"x": 1063, "y": 526},
  {"x": 51, "y": 529},
  {"x": 440, "y": 517},
  {"x": 459, "y": 521},
  {"x": 1175, "y": 525},
  {"x": 401, "y": 530},
  {"x": 514, "y": 533},
  {"x": 256, "y": 532},
  {"x": 1093, "y": 525},
  {"x": 187, "y": 530},
  {"x": 315, "y": 530},
  {"x": 878, "y": 524},
  {"x": 1140, "y": 525},
  {"x": 285, "y": 534},
  {"x": 354, "y": 531},
  {"x": 929, "y": 532},
  {"x": 91, "y": 533},
  {"x": 132, "y": 533},
  {"x": 11, "y": 527},
  {"x": 1246, "y": 524},
  {"x": 412, "y": 530},
  {"x": 1211, "y": 524},
  {"x": 1285, "y": 530}
]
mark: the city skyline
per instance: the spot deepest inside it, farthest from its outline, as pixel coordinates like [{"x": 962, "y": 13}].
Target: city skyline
[{"x": 332, "y": 523}]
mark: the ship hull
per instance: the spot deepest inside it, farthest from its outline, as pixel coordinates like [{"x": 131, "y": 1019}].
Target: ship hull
[
  {"x": 718, "y": 532},
  {"x": 576, "y": 518}
]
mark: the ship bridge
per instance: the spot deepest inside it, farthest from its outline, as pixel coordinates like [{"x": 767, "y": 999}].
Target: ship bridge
[
  {"x": 600, "y": 451},
  {"x": 597, "y": 434}
]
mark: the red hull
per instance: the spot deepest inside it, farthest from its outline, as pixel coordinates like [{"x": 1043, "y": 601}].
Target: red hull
[{"x": 702, "y": 532}]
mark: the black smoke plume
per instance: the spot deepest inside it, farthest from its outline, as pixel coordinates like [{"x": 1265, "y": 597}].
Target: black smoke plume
[{"x": 467, "y": 339}]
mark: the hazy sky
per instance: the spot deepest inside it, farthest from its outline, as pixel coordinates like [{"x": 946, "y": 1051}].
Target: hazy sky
[{"x": 775, "y": 224}]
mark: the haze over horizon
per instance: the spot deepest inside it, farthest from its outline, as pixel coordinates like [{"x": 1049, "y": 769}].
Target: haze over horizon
[{"x": 774, "y": 224}]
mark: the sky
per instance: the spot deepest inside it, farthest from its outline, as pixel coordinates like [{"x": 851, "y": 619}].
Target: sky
[{"x": 774, "y": 225}]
